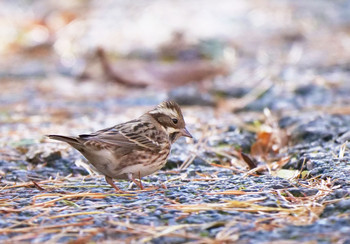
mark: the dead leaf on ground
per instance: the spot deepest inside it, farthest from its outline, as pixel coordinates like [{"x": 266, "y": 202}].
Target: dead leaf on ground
[
  {"x": 159, "y": 74},
  {"x": 270, "y": 138}
]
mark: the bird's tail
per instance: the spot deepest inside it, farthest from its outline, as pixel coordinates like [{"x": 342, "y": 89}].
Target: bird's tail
[{"x": 70, "y": 140}]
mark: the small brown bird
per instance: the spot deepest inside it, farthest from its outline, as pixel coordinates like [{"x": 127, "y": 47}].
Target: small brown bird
[{"x": 135, "y": 148}]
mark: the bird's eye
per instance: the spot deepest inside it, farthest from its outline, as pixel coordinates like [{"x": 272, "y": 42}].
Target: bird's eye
[{"x": 175, "y": 121}]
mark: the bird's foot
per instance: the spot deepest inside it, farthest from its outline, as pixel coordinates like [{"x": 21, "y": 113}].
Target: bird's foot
[
  {"x": 138, "y": 183},
  {"x": 109, "y": 180}
]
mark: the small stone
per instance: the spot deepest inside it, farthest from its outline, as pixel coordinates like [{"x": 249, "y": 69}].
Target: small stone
[
  {"x": 339, "y": 193},
  {"x": 310, "y": 192},
  {"x": 277, "y": 186},
  {"x": 18, "y": 176},
  {"x": 296, "y": 192},
  {"x": 343, "y": 204},
  {"x": 199, "y": 161},
  {"x": 269, "y": 204},
  {"x": 310, "y": 165},
  {"x": 190, "y": 95}
]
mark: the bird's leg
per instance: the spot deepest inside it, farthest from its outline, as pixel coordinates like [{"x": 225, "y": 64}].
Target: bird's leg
[
  {"x": 141, "y": 186},
  {"x": 109, "y": 180},
  {"x": 131, "y": 177}
]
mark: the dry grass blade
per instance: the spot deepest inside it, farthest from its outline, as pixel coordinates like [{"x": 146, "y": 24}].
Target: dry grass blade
[
  {"x": 234, "y": 104},
  {"x": 261, "y": 168},
  {"x": 234, "y": 192},
  {"x": 155, "y": 232},
  {"x": 299, "y": 175},
  {"x": 165, "y": 232},
  {"x": 200, "y": 144},
  {"x": 75, "y": 214},
  {"x": 231, "y": 168},
  {"x": 29, "y": 184},
  {"x": 232, "y": 206},
  {"x": 68, "y": 196},
  {"x": 187, "y": 162},
  {"x": 342, "y": 150},
  {"x": 54, "y": 228}
]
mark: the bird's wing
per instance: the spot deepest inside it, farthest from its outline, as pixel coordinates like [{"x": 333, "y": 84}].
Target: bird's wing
[{"x": 122, "y": 135}]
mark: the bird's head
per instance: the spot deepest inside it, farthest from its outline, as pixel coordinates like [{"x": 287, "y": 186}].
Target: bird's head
[{"x": 168, "y": 114}]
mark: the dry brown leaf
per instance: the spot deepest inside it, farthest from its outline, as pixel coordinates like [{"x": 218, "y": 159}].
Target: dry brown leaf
[
  {"x": 248, "y": 160},
  {"x": 159, "y": 74},
  {"x": 270, "y": 138}
]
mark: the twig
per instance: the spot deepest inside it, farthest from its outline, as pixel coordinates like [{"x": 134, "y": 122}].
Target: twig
[{"x": 38, "y": 186}]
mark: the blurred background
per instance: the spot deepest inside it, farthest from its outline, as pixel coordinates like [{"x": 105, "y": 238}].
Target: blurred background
[
  {"x": 80, "y": 60},
  {"x": 264, "y": 87}
]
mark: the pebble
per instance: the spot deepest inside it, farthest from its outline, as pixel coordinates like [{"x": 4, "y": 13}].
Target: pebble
[
  {"x": 190, "y": 95},
  {"x": 343, "y": 205}
]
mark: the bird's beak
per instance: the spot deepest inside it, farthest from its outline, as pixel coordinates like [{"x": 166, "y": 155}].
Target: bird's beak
[{"x": 185, "y": 132}]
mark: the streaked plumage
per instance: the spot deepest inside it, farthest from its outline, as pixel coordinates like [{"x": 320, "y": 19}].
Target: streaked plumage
[{"x": 135, "y": 148}]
